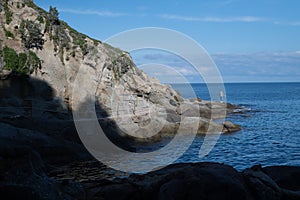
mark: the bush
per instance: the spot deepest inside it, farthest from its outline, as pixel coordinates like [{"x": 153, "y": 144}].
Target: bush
[
  {"x": 10, "y": 58},
  {"x": 30, "y": 4},
  {"x": 40, "y": 19},
  {"x": 78, "y": 39},
  {"x": 33, "y": 61},
  {"x": 22, "y": 59},
  {"x": 20, "y": 63},
  {"x": 9, "y": 34},
  {"x": 8, "y": 13},
  {"x": 31, "y": 34},
  {"x": 47, "y": 27}
]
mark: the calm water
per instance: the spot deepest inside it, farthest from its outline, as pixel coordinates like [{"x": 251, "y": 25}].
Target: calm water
[{"x": 271, "y": 131}]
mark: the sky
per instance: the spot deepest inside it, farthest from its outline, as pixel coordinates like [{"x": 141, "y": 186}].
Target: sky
[{"x": 250, "y": 41}]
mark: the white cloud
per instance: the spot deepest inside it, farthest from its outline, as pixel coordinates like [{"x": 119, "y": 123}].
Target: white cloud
[
  {"x": 93, "y": 12},
  {"x": 234, "y": 67},
  {"x": 185, "y": 71},
  {"x": 295, "y": 23},
  {"x": 287, "y": 23},
  {"x": 246, "y": 19},
  {"x": 213, "y": 19},
  {"x": 284, "y": 64}
]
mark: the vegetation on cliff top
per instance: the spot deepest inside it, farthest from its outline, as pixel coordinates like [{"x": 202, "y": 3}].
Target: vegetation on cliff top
[
  {"x": 23, "y": 63},
  {"x": 67, "y": 41}
]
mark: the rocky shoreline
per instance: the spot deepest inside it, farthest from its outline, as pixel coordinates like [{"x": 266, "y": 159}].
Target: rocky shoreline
[
  {"x": 91, "y": 180},
  {"x": 39, "y": 163}
]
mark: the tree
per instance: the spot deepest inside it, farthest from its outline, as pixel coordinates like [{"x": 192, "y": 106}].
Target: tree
[
  {"x": 31, "y": 35},
  {"x": 53, "y": 16}
]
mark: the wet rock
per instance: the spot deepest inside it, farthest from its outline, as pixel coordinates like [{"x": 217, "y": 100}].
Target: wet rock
[{"x": 229, "y": 127}]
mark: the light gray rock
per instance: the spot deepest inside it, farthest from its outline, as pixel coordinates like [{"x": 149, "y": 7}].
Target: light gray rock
[{"x": 119, "y": 87}]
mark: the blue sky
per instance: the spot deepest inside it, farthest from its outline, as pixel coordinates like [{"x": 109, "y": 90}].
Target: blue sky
[{"x": 250, "y": 41}]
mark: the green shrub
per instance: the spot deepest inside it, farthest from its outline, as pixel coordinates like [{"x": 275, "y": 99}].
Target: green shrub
[
  {"x": 22, "y": 59},
  {"x": 8, "y": 13},
  {"x": 47, "y": 27},
  {"x": 34, "y": 61},
  {"x": 40, "y": 19},
  {"x": 78, "y": 38},
  {"x": 96, "y": 43},
  {"x": 9, "y": 34},
  {"x": 31, "y": 34},
  {"x": 10, "y": 58},
  {"x": 30, "y": 4},
  {"x": 61, "y": 52},
  {"x": 35, "y": 7},
  {"x": 20, "y": 63}
]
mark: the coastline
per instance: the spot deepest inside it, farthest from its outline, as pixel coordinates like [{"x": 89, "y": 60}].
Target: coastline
[{"x": 86, "y": 180}]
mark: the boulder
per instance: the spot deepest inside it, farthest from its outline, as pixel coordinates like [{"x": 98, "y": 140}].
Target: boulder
[
  {"x": 277, "y": 182},
  {"x": 203, "y": 181},
  {"x": 183, "y": 181},
  {"x": 230, "y": 127}
]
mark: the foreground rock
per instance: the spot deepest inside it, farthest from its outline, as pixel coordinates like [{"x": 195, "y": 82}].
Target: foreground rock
[
  {"x": 205, "y": 181},
  {"x": 41, "y": 165},
  {"x": 179, "y": 181}
]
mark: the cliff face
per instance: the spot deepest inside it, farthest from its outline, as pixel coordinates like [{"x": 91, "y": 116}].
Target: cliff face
[
  {"x": 37, "y": 43},
  {"x": 63, "y": 50}
]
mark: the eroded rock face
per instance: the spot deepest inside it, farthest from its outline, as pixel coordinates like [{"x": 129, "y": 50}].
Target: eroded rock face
[{"x": 120, "y": 88}]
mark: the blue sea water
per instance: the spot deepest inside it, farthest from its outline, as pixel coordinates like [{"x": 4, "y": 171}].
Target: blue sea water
[{"x": 271, "y": 126}]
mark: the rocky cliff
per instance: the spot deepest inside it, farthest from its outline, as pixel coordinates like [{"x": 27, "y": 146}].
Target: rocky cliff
[{"x": 47, "y": 49}]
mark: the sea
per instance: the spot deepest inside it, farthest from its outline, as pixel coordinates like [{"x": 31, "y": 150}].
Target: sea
[{"x": 270, "y": 121}]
